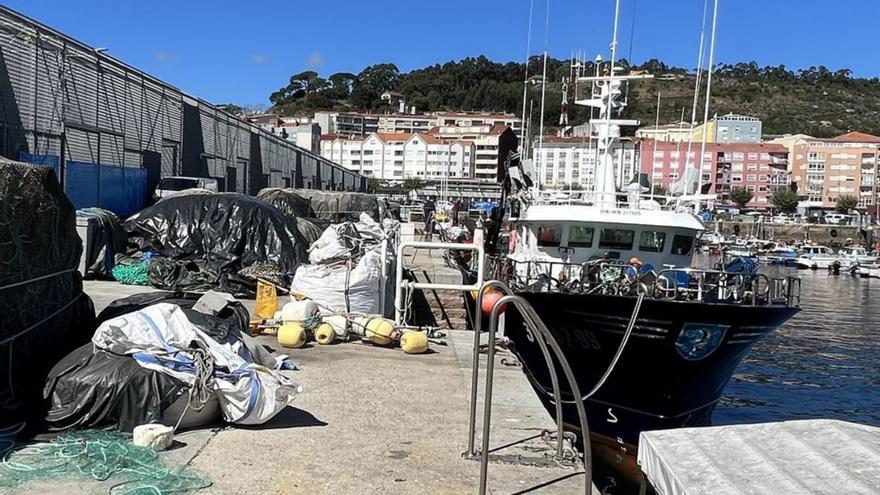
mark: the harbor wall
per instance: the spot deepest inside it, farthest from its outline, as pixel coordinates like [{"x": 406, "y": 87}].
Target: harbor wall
[{"x": 822, "y": 234}]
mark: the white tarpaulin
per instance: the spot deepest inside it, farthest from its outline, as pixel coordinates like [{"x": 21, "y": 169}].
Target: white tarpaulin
[{"x": 161, "y": 338}]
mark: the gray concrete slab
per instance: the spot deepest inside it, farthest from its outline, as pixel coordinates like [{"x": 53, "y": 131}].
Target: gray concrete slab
[{"x": 370, "y": 420}]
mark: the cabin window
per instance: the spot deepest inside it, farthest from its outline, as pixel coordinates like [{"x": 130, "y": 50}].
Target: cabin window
[
  {"x": 580, "y": 237},
  {"x": 681, "y": 244},
  {"x": 549, "y": 236},
  {"x": 652, "y": 242},
  {"x": 616, "y": 239}
]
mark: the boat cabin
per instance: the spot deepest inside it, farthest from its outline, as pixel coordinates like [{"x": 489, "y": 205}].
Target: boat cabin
[
  {"x": 579, "y": 233},
  {"x": 816, "y": 251}
]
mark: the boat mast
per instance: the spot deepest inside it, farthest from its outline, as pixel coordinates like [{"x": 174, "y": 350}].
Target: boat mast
[
  {"x": 522, "y": 131},
  {"x": 711, "y": 68}
]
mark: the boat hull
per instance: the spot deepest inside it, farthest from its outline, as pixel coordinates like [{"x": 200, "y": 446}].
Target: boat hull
[{"x": 653, "y": 385}]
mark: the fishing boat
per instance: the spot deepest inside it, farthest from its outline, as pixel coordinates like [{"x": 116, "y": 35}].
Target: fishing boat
[
  {"x": 856, "y": 255},
  {"x": 591, "y": 262},
  {"x": 817, "y": 257}
]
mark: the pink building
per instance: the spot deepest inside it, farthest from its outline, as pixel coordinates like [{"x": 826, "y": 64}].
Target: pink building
[{"x": 760, "y": 168}]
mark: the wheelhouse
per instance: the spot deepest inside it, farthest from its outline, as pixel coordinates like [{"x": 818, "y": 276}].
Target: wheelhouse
[{"x": 654, "y": 237}]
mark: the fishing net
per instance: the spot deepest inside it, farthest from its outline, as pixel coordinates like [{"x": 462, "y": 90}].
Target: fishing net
[
  {"x": 131, "y": 274},
  {"x": 99, "y": 456}
]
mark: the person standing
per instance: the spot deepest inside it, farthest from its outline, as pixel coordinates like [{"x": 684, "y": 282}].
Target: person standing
[{"x": 428, "y": 210}]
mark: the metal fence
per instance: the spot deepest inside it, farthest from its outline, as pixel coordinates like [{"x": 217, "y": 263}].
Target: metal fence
[{"x": 62, "y": 102}]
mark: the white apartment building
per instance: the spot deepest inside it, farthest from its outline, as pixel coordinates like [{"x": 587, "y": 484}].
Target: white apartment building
[
  {"x": 364, "y": 124},
  {"x": 489, "y": 140},
  {"x": 391, "y": 156},
  {"x": 563, "y": 161}
]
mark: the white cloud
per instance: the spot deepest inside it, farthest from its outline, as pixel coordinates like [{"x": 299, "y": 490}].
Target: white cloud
[
  {"x": 261, "y": 59},
  {"x": 316, "y": 59},
  {"x": 164, "y": 56}
]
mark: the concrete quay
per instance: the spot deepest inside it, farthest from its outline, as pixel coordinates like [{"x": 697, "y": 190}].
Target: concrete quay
[{"x": 369, "y": 420}]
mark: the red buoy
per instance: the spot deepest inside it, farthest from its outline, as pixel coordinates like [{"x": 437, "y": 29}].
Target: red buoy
[{"x": 489, "y": 300}]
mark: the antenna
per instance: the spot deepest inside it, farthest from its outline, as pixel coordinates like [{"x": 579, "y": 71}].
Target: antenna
[
  {"x": 711, "y": 68},
  {"x": 523, "y": 134},
  {"x": 697, "y": 92},
  {"x": 544, "y": 88}
]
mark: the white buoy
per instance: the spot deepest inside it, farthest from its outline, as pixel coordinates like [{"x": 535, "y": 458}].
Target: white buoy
[{"x": 155, "y": 436}]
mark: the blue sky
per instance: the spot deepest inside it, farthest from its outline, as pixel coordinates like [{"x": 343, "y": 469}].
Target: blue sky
[{"x": 240, "y": 51}]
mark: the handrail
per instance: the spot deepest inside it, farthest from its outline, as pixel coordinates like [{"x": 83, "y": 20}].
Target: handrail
[
  {"x": 543, "y": 338},
  {"x": 399, "y": 286}
]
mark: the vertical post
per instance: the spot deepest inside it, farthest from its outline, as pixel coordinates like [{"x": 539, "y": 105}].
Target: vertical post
[{"x": 711, "y": 68}]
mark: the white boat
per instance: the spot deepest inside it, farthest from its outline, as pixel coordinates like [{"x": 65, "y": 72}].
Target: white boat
[
  {"x": 869, "y": 271},
  {"x": 856, "y": 254},
  {"x": 817, "y": 257}
]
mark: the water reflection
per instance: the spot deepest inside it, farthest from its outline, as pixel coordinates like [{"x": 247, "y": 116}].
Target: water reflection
[{"x": 824, "y": 363}]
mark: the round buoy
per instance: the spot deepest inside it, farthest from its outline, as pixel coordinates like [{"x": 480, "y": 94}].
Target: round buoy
[
  {"x": 339, "y": 324},
  {"x": 380, "y": 331},
  {"x": 292, "y": 335},
  {"x": 325, "y": 334},
  {"x": 305, "y": 312},
  {"x": 414, "y": 342},
  {"x": 489, "y": 300}
]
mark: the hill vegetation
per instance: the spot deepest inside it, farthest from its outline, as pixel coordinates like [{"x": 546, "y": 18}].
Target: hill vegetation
[{"x": 815, "y": 101}]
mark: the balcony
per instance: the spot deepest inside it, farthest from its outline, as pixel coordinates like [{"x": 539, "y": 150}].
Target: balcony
[{"x": 778, "y": 161}]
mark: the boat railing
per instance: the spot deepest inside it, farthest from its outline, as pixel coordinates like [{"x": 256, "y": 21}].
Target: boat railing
[
  {"x": 614, "y": 277},
  {"x": 554, "y": 358},
  {"x": 623, "y": 200}
]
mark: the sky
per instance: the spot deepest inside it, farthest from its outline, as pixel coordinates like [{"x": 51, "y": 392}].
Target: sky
[{"x": 241, "y": 51}]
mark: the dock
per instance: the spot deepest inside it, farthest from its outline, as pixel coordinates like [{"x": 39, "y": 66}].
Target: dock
[
  {"x": 369, "y": 420},
  {"x": 792, "y": 457}
]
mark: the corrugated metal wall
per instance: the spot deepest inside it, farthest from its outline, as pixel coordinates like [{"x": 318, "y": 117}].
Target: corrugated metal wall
[{"x": 61, "y": 98}]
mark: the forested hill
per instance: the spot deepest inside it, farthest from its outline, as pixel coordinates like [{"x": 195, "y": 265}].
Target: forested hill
[{"x": 814, "y": 101}]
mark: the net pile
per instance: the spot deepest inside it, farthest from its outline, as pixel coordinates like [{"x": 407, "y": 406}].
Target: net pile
[
  {"x": 100, "y": 456},
  {"x": 45, "y": 313}
]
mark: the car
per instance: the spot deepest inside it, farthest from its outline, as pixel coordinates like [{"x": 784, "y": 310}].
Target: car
[
  {"x": 835, "y": 218},
  {"x": 171, "y": 185}
]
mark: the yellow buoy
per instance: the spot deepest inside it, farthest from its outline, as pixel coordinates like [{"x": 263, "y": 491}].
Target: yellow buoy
[
  {"x": 292, "y": 335},
  {"x": 414, "y": 342},
  {"x": 380, "y": 331},
  {"x": 325, "y": 334}
]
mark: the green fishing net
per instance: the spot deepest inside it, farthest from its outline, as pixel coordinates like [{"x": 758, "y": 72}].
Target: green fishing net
[
  {"x": 101, "y": 456},
  {"x": 133, "y": 274}
]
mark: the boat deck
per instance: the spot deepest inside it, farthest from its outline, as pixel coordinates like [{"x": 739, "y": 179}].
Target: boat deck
[{"x": 792, "y": 457}]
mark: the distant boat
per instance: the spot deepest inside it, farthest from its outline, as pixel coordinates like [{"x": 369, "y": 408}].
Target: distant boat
[{"x": 817, "y": 258}]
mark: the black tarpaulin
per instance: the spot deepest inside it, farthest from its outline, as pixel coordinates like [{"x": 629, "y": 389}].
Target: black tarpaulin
[
  {"x": 336, "y": 206},
  {"x": 205, "y": 240}
]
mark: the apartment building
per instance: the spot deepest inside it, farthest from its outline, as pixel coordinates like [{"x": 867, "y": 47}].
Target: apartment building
[
  {"x": 364, "y": 124},
  {"x": 825, "y": 169},
  {"x": 734, "y": 128},
  {"x": 492, "y": 143},
  {"x": 390, "y": 156},
  {"x": 760, "y": 168},
  {"x": 562, "y": 161}
]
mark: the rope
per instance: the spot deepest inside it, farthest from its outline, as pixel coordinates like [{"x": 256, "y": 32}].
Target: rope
[{"x": 30, "y": 280}]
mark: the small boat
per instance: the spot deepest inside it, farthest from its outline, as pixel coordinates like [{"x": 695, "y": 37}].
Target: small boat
[
  {"x": 817, "y": 257},
  {"x": 868, "y": 271},
  {"x": 856, "y": 255},
  {"x": 776, "y": 253},
  {"x": 741, "y": 250}
]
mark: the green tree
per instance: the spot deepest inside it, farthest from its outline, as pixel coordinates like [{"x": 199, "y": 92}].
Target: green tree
[
  {"x": 412, "y": 184},
  {"x": 846, "y": 202},
  {"x": 785, "y": 200},
  {"x": 372, "y": 184},
  {"x": 660, "y": 190},
  {"x": 741, "y": 197}
]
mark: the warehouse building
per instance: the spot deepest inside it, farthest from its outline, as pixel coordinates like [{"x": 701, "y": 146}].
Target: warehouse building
[{"x": 112, "y": 131}]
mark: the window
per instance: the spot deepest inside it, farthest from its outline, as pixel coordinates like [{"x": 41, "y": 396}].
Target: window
[
  {"x": 616, "y": 239},
  {"x": 681, "y": 244},
  {"x": 580, "y": 236},
  {"x": 549, "y": 236},
  {"x": 652, "y": 242}
]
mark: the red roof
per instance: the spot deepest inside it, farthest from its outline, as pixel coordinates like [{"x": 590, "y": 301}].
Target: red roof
[
  {"x": 857, "y": 137},
  {"x": 399, "y": 136}
]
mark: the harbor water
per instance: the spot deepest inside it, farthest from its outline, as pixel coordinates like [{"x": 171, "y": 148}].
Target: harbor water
[{"x": 824, "y": 363}]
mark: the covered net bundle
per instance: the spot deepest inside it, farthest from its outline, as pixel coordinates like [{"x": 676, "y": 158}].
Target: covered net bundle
[
  {"x": 205, "y": 240},
  {"x": 335, "y": 206},
  {"x": 45, "y": 313},
  {"x": 98, "y": 456}
]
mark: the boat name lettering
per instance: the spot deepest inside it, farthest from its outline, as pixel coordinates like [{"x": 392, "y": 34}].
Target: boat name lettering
[{"x": 617, "y": 211}]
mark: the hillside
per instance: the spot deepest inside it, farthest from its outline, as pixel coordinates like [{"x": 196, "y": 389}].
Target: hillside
[{"x": 813, "y": 101}]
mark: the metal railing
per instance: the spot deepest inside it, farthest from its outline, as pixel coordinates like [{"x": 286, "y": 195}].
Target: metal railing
[
  {"x": 401, "y": 285},
  {"x": 610, "y": 277},
  {"x": 542, "y": 336}
]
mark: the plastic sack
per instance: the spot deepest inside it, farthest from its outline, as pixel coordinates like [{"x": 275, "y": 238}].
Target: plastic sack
[
  {"x": 161, "y": 338},
  {"x": 329, "y": 286}
]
